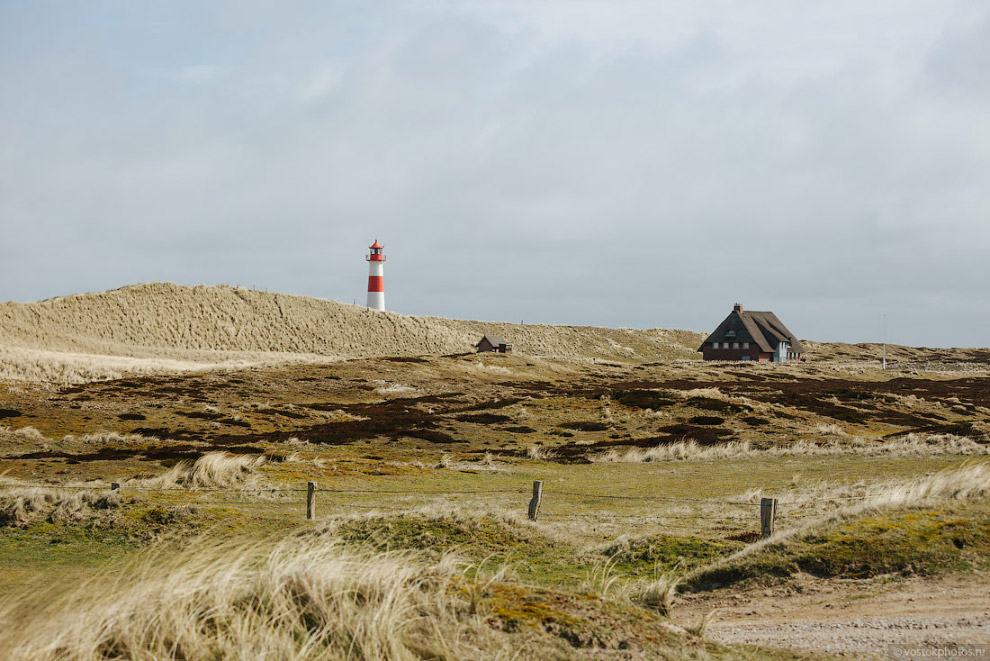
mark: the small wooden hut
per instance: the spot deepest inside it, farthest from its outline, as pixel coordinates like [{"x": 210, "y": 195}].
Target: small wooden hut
[{"x": 493, "y": 344}]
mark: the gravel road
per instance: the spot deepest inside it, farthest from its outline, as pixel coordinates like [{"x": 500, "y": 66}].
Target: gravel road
[
  {"x": 860, "y": 636},
  {"x": 850, "y": 618}
]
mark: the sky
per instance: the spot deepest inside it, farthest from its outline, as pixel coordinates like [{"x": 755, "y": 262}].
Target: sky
[{"x": 612, "y": 163}]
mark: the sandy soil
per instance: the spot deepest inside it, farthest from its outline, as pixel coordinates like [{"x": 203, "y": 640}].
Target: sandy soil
[
  {"x": 84, "y": 337},
  {"x": 162, "y": 327},
  {"x": 847, "y": 617}
]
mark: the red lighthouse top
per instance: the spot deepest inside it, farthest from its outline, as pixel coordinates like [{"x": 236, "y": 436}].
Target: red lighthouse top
[{"x": 376, "y": 252}]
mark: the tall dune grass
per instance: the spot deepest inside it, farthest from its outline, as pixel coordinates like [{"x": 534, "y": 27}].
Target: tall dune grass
[
  {"x": 69, "y": 367},
  {"x": 212, "y": 470},
  {"x": 28, "y": 433},
  {"x": 109, "y": 438},
  {"x": 294, "y": 600},
  {"x": 540, "y": 453},
  {"x": 967, "y": 482},
  {"x": 910, "y": 445},
  {"x": 20, "y": 506},
  {"x": 840, "y": 503}
]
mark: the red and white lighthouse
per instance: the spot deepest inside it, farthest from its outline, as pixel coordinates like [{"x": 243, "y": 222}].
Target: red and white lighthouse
[{"x": 376, "y": 277}]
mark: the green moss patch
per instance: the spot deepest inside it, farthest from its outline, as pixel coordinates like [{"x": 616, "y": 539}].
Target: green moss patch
[
  {"x": 583, "y": 622},
  {"x": 664, "y": 553},
  {"x": 471, "y": 536},
  {"x": 918, "y": 540}
]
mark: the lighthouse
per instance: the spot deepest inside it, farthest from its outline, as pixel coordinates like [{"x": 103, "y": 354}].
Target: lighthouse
[{"x": 376, "y": 277}]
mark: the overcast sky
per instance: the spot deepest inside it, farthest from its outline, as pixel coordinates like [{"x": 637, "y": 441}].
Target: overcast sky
[{"x": 642, "y": 164}]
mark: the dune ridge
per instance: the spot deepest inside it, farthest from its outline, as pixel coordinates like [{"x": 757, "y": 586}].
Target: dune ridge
[{"x": 144, "y": 327}]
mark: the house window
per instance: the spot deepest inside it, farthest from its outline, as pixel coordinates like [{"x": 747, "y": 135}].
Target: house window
[
  {"x": 725, "y": 345},
  {"x": 735, "y": 345},
  {"x": 714, "y": 346},
  {"x": 745, "y": 345}
]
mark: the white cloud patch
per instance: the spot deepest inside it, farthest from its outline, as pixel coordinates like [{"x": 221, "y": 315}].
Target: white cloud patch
[{"x": 641, "y": 164}]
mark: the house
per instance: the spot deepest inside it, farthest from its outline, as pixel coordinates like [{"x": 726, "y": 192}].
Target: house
[
  {"x": 493, "y": 343},
  {"x": 757, "y": 336}
]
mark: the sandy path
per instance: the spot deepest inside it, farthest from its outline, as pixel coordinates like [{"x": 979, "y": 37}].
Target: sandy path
[{"x": 849, "y": 617}]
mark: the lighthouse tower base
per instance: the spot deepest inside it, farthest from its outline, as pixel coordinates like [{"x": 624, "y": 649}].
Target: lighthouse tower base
[{"x": 376, "y": 300}]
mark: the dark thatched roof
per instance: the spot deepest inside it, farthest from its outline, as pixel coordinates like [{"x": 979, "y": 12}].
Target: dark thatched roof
[
  {"x": 493, "y": 340},
  {"x": 763, "y": 328}
]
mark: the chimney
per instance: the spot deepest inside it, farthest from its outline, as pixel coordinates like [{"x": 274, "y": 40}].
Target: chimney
[{"x": 737, "y": 308}]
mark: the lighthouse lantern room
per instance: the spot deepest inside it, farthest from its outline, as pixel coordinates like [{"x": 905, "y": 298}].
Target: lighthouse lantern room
[{"x": 376, "y": 277}]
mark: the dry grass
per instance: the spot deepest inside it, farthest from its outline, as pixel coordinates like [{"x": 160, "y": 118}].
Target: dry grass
[
  {"x": 22, "y": 506},
  {"x": 830, "y": 429},
  {"x": 679, "y": 451},
  {"x": 601, "y": 578},
  {"x": 911, "y": 445},
  {"x": 70, "y": 367},
  {"x": 710, "y": 393},
  {"x": 829, "y": 507},
  {"x": 21, "y": 434},
  {"x": 212, "y": 470},
  {"x": 964, "y": 483},
  {"x": 540, "y": 453},
  {"x": 109, "y": 438},
  {"x": 95, "y": 438},
  {"x": 657, "y": 594},
  {"x": 486, "y": 463},
  {"x": 296, "y": 600},
  {"x": 395, "y": 389},
  {"x": 838, "y": 503}
]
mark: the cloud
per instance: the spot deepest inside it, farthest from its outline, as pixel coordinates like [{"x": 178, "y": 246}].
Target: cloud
[
  {"x": 642, "y": 166},
  {"x": 958, "y": 62}
]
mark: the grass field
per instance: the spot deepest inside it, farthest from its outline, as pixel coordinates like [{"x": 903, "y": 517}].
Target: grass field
[
  {"x": 653, "y": 468},
  {"x": 652, "y": 476}
]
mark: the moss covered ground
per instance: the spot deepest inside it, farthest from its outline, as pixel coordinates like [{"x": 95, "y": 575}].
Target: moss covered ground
[
  {"x": 437, "y": 456},
  {"x": 904, "y": 541}
]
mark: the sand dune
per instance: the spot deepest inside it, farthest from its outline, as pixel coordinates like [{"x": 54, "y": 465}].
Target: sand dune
[{"x": 161, "y": 326}]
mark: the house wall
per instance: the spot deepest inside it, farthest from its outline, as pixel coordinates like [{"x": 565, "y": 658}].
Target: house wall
[
  {"x": 753, "y": 352},
  {"x": 485, "y": 346}
]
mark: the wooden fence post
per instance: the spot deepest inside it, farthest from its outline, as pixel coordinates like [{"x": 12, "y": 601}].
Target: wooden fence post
[
  {"x": 310, "y": 500},
  {"x": 115, "y": 486},
  {"x": 534, "y": 504},
  {"x": 768, "y": 512}
]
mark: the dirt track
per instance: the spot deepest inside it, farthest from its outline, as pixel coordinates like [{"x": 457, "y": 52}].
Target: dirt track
[{"x": 849, "y": 617}]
